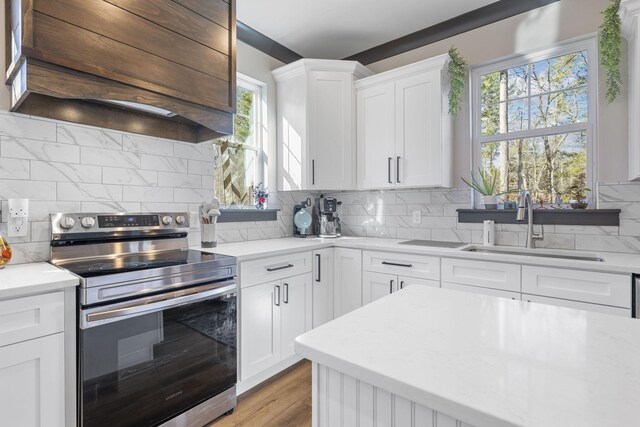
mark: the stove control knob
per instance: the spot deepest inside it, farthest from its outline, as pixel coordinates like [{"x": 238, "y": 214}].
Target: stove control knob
[
  {"x": 67, "y": 222},
  {"x": 180, "y": 219},
  {"x": 167, "y": 220},
  {"x": 88, "y": 222}
]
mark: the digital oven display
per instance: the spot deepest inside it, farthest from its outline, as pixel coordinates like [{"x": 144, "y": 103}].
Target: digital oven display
[{"x": 118, "y": 221}]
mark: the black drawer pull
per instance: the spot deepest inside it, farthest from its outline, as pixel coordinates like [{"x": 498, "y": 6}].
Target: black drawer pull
[
  {"x": 395, "y": 264},
  {"x": 282, "y": 267}
]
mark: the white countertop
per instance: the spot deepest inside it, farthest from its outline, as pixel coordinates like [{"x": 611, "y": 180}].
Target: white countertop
[
  {"x": 24, "y": 279},
  {"x": 613, "y": 262},
  {"x": 489, "y": 361}
]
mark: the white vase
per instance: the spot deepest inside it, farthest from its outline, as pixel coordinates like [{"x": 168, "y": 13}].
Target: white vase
[{"x": 490, "y": 202}]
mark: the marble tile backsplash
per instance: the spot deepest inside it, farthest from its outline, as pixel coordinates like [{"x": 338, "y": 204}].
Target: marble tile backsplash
[
  {"x": 62, "y": 167},
  {"x": 389, "y": 214}
]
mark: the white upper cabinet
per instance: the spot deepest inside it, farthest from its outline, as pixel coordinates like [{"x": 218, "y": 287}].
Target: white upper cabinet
[
  {"x": 404, "y": 128},
  {"x": 316, "y": 124},
  {"x": 630, "y": 14}
]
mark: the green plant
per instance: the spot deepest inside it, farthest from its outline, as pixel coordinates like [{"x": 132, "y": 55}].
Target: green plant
[
  {"x": 611, "y": 49},
  {"x": 578, "y": 192},
  {"x": 487, "y": 184},
  {"x": 456, "y": 72}
]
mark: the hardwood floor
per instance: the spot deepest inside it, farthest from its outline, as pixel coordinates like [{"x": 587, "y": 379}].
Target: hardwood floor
[{"x": 282, "y": 401}]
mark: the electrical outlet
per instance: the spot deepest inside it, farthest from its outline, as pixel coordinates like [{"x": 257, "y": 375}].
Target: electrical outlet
[
  {"x": 417, "y": 217},
  {"x": 18, "y": 221},
  {"x": 194, "y": 220}
]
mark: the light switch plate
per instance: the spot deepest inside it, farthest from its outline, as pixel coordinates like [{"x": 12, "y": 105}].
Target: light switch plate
[{"x": 417, "y": 217}]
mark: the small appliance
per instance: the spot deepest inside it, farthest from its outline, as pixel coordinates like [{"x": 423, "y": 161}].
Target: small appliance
[
  {"x": 328, "y": 217},
  {"x": 302, "y": 219}
]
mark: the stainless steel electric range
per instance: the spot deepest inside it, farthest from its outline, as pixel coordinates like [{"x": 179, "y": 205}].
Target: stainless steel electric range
[{"x": 156, "y": 321}]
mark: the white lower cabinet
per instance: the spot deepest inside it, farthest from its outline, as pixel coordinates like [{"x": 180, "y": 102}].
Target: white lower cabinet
[
  {"x": 618, "y": 311},
  {"x": 272, "y": 315},
  {"x": 378, "y": 285},
  {"x": 347, "y": 280},
  {"x": 32, "y": 382},
  {"x": 494, "y": 275},
  {"x": 322, "y": 286},
  {"x": 483, "y": 291}
]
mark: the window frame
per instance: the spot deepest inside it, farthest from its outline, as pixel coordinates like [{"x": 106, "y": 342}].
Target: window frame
[
  {"x": 587, "y": 43},
  {"x": 260, "y": 138}
]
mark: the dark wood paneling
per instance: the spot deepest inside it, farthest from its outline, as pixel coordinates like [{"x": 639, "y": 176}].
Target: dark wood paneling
[
  {"x": 70, "y": 46},
  {"x": 232, "y": 49},
  {"x": 598, "y": 217},
  {"x": 259, "y": 41},
  {"x": 486, "y": 15},
  {"x": 214, "y": 10},
  {"x": 179, "y": 19},
  {"x": 117, "y": 24},
  {"x": 62, "y": 82}
]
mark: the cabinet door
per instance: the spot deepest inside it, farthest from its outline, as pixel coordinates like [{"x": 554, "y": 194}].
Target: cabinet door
[
  {"x": 260, "y": 327},
  {"x": 375, "y": 137},
  {"x": 332, "y": 144},
  {"x": 404, "y": 281},
  {"x": 347, "y": 280},
  {"x": 296, "y": 310},
  {"x": 418, "y": 137},
  {"x": 322, "y": 286},
  {"x": 377, "y": 285},
  {"x": 32, "y": 382}
]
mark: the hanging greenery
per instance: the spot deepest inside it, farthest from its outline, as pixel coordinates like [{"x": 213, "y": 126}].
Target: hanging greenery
[
  {"x": 611, "y": 49},
  {"x": 456, "y": 71}
]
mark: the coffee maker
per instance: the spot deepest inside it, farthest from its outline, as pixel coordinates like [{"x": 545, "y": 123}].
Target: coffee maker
[{"x": 327, "y": 212}]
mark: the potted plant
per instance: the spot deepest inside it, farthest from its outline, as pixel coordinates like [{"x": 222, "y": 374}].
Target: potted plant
[
  {"x": 578, "y": 194},
  {"x": 486, "y": 186}
]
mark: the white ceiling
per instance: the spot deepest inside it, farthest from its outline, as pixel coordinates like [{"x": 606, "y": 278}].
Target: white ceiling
[{"x": 335, "y": 29}]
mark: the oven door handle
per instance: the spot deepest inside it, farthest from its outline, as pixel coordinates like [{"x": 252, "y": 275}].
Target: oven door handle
[{"x": 99, "y": 316}]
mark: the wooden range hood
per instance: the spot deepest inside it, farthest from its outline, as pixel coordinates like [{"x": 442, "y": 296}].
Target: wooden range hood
[{"x": 97, "y": 62}]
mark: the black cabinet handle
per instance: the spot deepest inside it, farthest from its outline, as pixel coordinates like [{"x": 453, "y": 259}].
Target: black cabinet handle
[
  {"x": 395, "y": 264},
  {"x": 391, "y": 286},
  {"x": 313, "y": 172},
  {"x": 402, "y": 284},
  {"x": 282, "y": 267},
  {"x": 389, "y": 170},
  {"x": 398, "y": 169},
  {"x": 276, "y": 296},
  {"x": 319, "y": 277},
  {"x": 285, "y": 299}
]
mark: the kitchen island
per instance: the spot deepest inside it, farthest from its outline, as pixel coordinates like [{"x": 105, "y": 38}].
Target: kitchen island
[{"x": 431, "y": 356}]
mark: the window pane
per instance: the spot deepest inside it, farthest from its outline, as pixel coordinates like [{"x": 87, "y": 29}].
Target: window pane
[
  {"x": 559, "y": 108},
  {"x": 234, "y": 174},
  {"x": 546, "y": 166},
  {"x": 490, "y": 88},
  {"x": 505, "y": 117},
  {"x": 560, "y": 73},
  {"x": 243, "y": 132},
  {"x": 517, "y": 80}
]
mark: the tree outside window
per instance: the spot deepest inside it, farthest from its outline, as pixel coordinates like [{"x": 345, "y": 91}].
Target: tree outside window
[
  {"x": 533, "y": 126},
  {"x": 237, "y": 157}
]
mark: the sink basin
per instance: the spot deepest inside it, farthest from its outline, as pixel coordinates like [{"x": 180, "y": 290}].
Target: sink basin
[{"x": 482, "y": 249}]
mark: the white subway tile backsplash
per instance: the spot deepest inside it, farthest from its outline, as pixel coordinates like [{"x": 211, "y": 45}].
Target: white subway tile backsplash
[
  {"x": 102, "y": 157},
  {"x": 65, "y": 172},
  {"x": 71, "y": 191},
  {"x": 110, "y": 207},
  {"x": 29, "y": 252},
  {"x": 20, "y": 148},
  {"x": 200, "y": 168},
  {"x": 193, "y": 151},
  {"x": 163, "y": 164},
  {"x": 148, "y": 145},
  {"x": 19, "y": 126},
  {"x": 14, "y": 168},
  {"x": 173, "y": 179},
  {"x": 147, "y": 194},
  {"x": 128, "y": 176},
  {"x": 192, "y": 195},
  {"x": 36, "y": 190},
  {"x": 164, "y": 207},
  {"x": 89, "y": 136}
]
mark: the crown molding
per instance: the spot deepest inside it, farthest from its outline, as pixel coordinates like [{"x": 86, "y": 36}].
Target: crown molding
[{"x": 304, "y": 65}]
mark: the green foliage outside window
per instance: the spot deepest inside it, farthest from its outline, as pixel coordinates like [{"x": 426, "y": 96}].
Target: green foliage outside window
[{"x": 236, "y": 155}]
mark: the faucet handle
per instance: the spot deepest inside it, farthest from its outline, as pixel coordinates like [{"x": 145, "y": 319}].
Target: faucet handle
[{"x": 539, "y": 236}]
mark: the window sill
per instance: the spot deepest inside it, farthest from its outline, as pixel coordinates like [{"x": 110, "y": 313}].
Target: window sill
[
  {"x": 597, "y": 217},
  {"x": 247, "y": 215}
]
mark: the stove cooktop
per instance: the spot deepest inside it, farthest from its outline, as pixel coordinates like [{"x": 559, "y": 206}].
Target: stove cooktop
[{"x": 103, "y": 266}]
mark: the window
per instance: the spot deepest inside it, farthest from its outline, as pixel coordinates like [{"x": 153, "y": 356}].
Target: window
[
  {"x": 239, "y": 158},
  {"x": 534, "y": 119}
]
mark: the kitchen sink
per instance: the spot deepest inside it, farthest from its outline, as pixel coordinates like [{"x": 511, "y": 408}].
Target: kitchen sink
[{"x": 481, "y": 249}]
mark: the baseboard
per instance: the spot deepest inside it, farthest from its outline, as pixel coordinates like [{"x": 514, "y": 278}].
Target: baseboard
[{"x": 257, "y": 379}]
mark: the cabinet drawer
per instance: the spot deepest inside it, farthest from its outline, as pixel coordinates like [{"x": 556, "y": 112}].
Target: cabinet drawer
[
  {"x": 483, "y": 291},
  {"x": 31, "y": 317},
  {"x": 418, "y": 266},
  {"x": 577, "y": 285},
  {"x": 274, "y": 268},
  {"x": 493, "y": 275},
  {"x": 624, "y": 312},
  {"x": 404, "y": 281}
]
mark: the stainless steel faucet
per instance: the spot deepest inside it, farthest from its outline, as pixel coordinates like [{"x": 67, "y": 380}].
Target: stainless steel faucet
[{"x": 524, "y": 201}]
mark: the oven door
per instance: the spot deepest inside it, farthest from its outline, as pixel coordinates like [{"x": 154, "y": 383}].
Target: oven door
[{"x": 145, "y": 361}]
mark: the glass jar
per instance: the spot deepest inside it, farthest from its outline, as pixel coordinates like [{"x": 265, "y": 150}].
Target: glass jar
[{"x": 5, "y": 252}]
